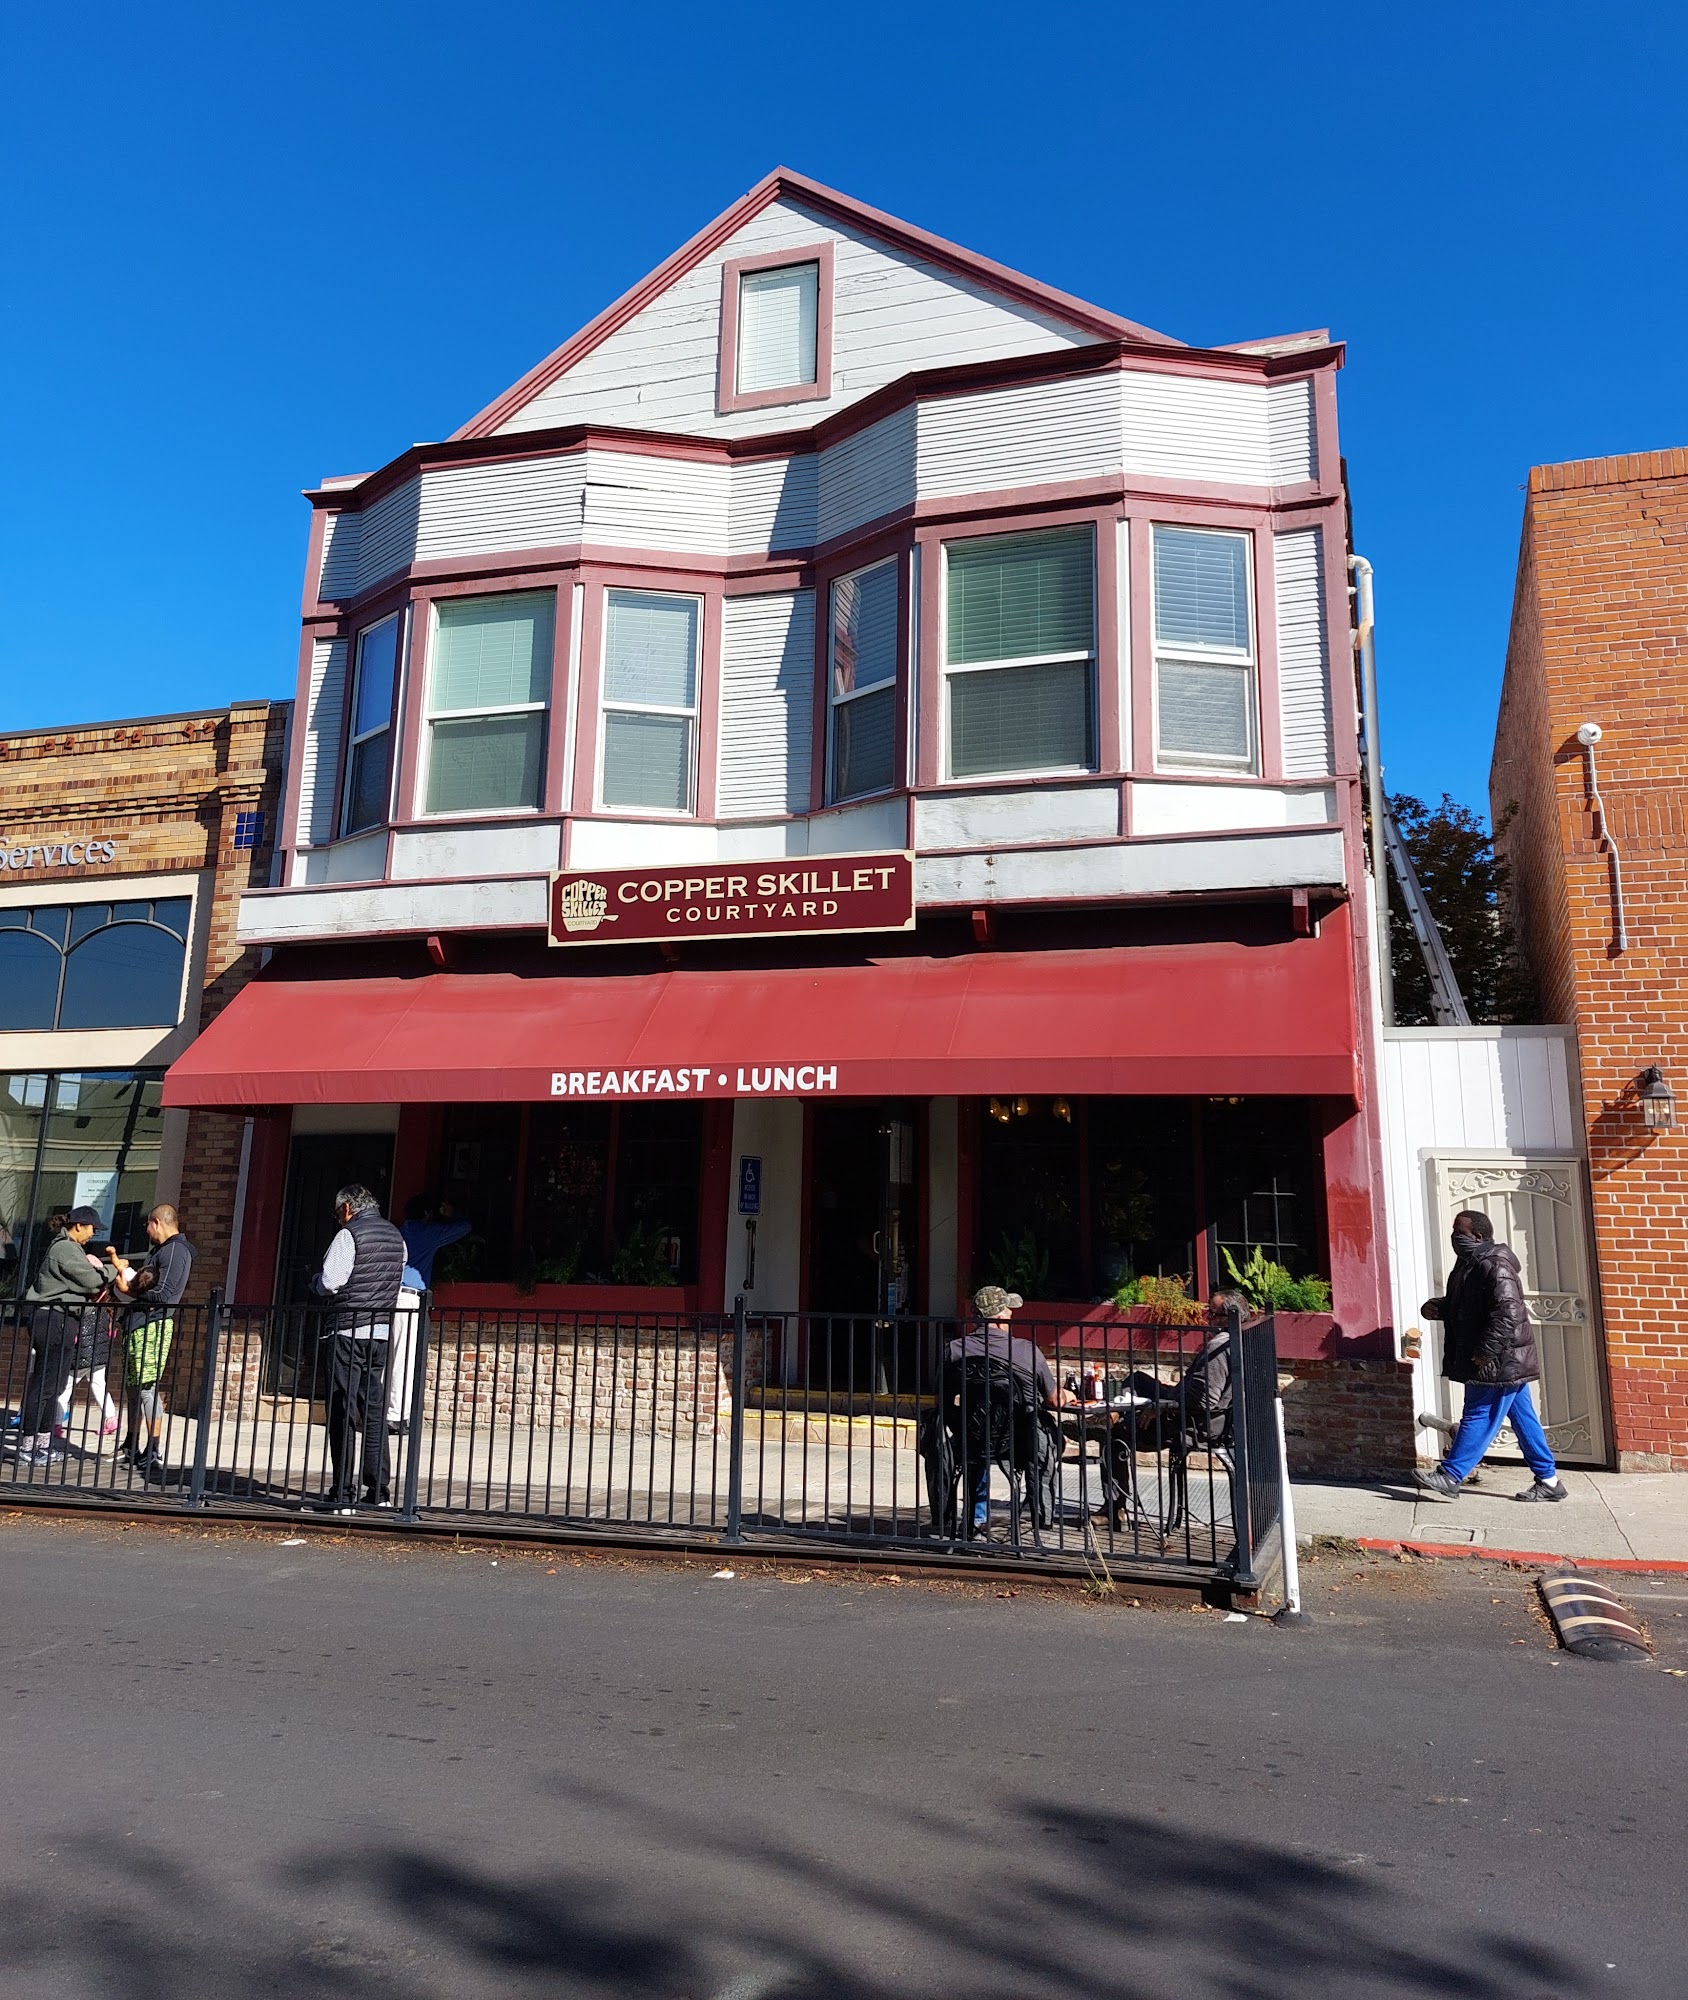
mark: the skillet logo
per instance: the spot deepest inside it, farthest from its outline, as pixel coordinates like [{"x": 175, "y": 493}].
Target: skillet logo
[
  {"x": 57, "y": 854},
  {"x": 841, "y": 892}
]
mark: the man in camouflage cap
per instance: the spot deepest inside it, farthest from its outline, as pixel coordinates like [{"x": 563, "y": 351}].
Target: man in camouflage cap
[{"x": 989, "y": 1339}]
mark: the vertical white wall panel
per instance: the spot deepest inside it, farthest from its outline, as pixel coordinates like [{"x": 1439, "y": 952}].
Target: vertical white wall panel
[
  {"x": 773, "y": 504},
  {"x": 767, "y": 705},
  {"x": 867, "y": 475},
  {"x": 1030, "y": 435},
  {"x": 319, "y": 754},
  {"x": 1188, "y": 427},
  {"x": 338, "y": 577},
  {"x": 1304, "y": 690},
  {"x": 1122, "y": 627},
  {"x": 892, "y": 313},
  {"x": 1291, "y": 439},
  {"x": 531, "y": 503},
  {"x": 633, "y": 502}
]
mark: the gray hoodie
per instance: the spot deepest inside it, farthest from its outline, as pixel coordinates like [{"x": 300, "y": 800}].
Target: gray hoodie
[{"x": 66, "y": 1278}]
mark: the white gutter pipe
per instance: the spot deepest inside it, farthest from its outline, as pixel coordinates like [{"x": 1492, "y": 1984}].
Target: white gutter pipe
[{"x": 1362, "y": 571}]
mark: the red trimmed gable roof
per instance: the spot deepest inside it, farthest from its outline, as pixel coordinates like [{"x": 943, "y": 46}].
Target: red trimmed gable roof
[{"x": 842, "y": 208}]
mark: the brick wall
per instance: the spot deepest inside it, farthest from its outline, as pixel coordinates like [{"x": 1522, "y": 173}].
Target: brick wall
[
  {"x": 1600, "y": 634},
  {"x": 166, "y": 789}
]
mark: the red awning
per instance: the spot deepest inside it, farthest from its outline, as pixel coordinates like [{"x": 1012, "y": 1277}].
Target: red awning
[{"x": 1214, "y": 1018}]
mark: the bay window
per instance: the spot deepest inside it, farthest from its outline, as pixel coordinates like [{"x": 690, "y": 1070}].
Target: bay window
[
  {"x": 862, "y": 705},
  {"x": 489, "y": 690},
  {"x": 369, "y": 753},
  {"x": 1204, "y": 650},
  {"x": 650, "y": 683},
  {"x": 1020, "y": 652}
]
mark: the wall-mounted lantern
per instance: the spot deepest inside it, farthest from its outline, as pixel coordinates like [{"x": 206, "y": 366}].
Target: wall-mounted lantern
[{"x": 1658, "y": 1100}]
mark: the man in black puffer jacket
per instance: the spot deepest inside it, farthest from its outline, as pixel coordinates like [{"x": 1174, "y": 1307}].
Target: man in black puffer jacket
[{"x": 1490, "y": 1346}]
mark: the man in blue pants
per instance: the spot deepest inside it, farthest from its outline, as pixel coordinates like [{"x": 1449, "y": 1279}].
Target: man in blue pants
[{"x": 1490, "y": 1346}]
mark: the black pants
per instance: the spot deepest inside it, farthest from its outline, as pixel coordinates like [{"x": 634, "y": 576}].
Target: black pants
[
  {"x": 357, "y": 1404},
  {"x": 1152, "y": 1427},
  {"x": 53, "y": 1334}
]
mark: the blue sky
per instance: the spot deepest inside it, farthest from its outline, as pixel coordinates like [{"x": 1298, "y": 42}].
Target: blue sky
[{"x": 247, "y": 247}]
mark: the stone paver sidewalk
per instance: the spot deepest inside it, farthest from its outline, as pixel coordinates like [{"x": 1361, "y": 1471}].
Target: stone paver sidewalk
[{"x": 1611, "y": 1516}]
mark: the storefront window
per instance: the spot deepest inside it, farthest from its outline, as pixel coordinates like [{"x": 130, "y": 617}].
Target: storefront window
[
  {"x": 1077, "y": 1195},
  {"x": 69, "y": 1141},
  {"x": 1262, "y": 1177},
  {"x": 93, "y": 965},
  {"x": 560, "y": 1194}
]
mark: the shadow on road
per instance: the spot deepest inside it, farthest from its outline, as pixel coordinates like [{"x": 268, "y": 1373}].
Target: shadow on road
[{"x": 1038, "y": 1899}]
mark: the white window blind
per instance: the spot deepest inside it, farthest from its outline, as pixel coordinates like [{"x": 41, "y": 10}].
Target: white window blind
[
  {"x": 369, "y": 754},
  {"x": 1020, "y": 652},
  {"x": 777, "y": 321},
  {"x": 863, "y": 704},
  {"x": 1205, "y": 707},
  {"x": 650, "y": 699},
  {"x": 489, "y": 689}
]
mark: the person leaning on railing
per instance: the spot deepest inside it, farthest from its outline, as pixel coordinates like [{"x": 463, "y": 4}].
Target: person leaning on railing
[
  {"x": 155, "y": 1287},
  {"x": 68, "y": 1282}
]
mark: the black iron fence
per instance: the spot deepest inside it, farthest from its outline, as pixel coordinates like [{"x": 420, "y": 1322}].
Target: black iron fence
[{"x": 1069, "y": 1444}]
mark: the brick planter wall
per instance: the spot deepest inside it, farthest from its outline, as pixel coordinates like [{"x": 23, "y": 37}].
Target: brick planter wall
[{"x": 1348, "y": 1419}]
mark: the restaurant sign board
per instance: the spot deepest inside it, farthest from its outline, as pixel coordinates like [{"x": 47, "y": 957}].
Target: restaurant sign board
[{"x": 829, "y": 892}]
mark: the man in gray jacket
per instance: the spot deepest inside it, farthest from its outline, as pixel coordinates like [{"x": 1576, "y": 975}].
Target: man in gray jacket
[{"x": 66, "y": 1284}]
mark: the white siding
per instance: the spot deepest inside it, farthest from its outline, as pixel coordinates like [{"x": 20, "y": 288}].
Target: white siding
[
  {"x": 1187, "y": 427},
  {"x": 319, "y": 755},
  {"x": 892, "y": 313},
  {"x": 338, "y": 578},
  {"x": 679, "y": 504},
  {"x": 1304, "y": 691},
  {"x": 773, "y": 504},
  {"x": 1031, "y": 435},
  {"x": 868, "y": 475},
  {"x": 488, "y": 509},
  {"x": 767, "y": 704},
  {"x": 1290, "y": 436},
  {"x": 1013, "y": 818},
  {"x": 388, "y": 540}
]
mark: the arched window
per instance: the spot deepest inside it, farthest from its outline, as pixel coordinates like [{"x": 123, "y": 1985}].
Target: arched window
[{"x": 94, "y": 965}]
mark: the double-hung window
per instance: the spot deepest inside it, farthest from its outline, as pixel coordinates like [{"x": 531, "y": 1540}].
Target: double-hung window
[
  {"x": 651, "y": 643},
  {"x": 489, "y": 688},
  {"x": 369, "y": 756},
  {"x": 1020, "y": 652},
  {"x": 1205, "y": 709},
  {"x": 778, "y": 325},
  {"x": 862, "y": 750}
]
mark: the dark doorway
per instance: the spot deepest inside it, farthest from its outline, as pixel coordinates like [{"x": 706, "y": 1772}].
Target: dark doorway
[
  {"x": 318, "y": 1164},
  {"x": 864, "y": 1246}
]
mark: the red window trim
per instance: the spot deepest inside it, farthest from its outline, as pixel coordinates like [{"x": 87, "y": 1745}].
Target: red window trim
[{"x": 728, "y": 396}]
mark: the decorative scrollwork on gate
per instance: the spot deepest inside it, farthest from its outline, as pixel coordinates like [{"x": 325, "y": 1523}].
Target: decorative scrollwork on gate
[
  {"x": 1517, "y": 1180},
  {"x": 1556, "y": 1308}
]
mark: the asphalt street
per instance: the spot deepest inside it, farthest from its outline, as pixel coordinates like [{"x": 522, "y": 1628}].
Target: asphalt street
[{"x": 346, "y": 1770}]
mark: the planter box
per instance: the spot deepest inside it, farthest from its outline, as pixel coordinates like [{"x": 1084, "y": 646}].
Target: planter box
[
  {"x": 1109, "y": 1329},
  {"x": 610, "y": 1301}
]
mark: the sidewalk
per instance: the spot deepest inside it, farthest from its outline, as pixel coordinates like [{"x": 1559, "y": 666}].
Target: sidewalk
[{"x": 1613, "y": 1516}]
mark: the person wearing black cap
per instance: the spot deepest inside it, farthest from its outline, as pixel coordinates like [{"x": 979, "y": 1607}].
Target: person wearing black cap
[{"x": 68, "y": 1281}]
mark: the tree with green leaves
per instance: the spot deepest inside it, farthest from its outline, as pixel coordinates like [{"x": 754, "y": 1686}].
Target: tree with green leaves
[{"x": 1466, "y": 885}]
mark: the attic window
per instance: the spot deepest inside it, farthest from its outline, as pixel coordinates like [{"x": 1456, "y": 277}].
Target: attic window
[{"x": 776, "y": 329}]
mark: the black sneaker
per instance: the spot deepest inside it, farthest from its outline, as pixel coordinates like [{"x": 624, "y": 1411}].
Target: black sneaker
[
  {"x": 1441, "y": 1485},
  {"x": 332, "y": 1506},
  {"x": 149, "y": 1465},
  {"x": 1545, "y": 1489}
]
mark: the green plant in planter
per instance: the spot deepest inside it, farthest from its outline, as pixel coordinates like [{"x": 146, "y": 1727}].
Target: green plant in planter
[
  {"x": 641, "y": 1258},
  {"x": 1169, "y": 1300},
  {"x": 460, "y": 1263},
  {"x": 1269, "y": 1286},
  {"x": 1019, "y": 1264}
]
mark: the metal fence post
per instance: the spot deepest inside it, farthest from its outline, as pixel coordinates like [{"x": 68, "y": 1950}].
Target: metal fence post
[
  {"x": 207, "y": 1397},
  {"x": 735, "y": 1448},
  {"x": 413, "y": 1412},
  {"x": 1242, "y": 1444}
]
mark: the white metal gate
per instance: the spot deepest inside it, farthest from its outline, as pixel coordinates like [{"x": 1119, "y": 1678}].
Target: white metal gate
[{"x": 1538, "y": 1206}]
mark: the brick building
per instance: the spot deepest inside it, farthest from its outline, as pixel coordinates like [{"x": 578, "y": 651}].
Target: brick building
[
  {"x": 124, "y": 848},
  {"x": 1597, "y": 839}
]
